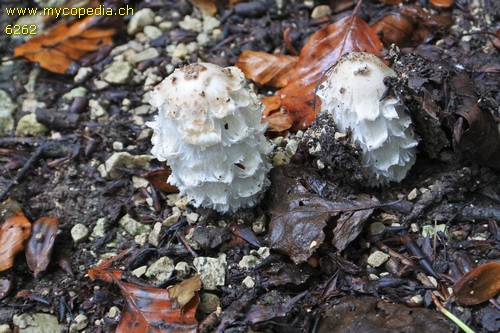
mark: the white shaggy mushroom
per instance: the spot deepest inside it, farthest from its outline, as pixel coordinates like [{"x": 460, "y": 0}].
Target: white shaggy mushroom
[
  {"x": 355, "y": 94},
  {"x": 209, "y": 131}
]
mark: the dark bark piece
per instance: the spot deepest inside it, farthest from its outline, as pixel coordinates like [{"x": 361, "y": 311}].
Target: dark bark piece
[
  {"x": 41, "y": 243},
  {"x": 57, "y": 119}
]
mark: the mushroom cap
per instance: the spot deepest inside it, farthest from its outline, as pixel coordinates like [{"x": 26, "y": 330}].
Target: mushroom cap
[
  {"x": 195, "y": 96},
  {"x": 355, "y": 94}
]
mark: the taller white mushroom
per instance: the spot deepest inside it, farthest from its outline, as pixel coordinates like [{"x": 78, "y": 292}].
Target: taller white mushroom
[
  {"x": 355, "y": 94},
  {"x": 209, "y": 131}
]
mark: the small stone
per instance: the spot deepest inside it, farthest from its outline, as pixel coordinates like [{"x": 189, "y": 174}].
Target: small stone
[
  {"x": 173, "y": 198},
  {"x": 30, "y": 105},
  {"x": 191, "y": 24},
  {"x": 152, "y": 32},
  {"x": 139, "y": 20},
  {"x": 180, "y": 51},
  {"x": 212, "y": 271},
  {"x": 203, "y": 39},
  {"x": 161, "y": 270},
  {"x": 248, "y": 282},
  {"x": 123, "y": 159},
  {"x": 280, "y": 158},
  {"x": 417, "y": 299},
  {"x": 172, "y": 219},
  {"x": 414, "y": 227},
  {"x": 132, "y": 227},
  {"x": 141, "y": 239},
  {"x": 210, "y": 23},
  {"x": 37, "y": 323},
  {"x": 248, "y": 262},
  {"x": 373, "y": 277},
  {"x": 96, "y": 109},
  {"x": 259, "y": 225},
  {"x": 377, "y": 228},
  {"x": 139, "y": 182},
  {"x": 264, "y": 252},
  {"x": 29, "y": 126},
  {"x": 182, "y": 203},
  {"x": 79, "y": 323},
  {"x": 113, "y": 312},
  {"x": 147, "y": 54},
  {"x": 413, "y": 194},
  {"x": 320, "y": 164},
  {"x": 165, "y": 25},
  {"x": 377, "y": 258},
  {"x": 7, "y": 108},
  {"x": 141, "y": 110},
  {"x": 291, "y": 147},
  {"x": 192, "y": 217},
  {"x": 209, "y": 303},
  {"x": 117, "y": 145},
  {"x": 339, "y": 136},
  {"x": 118, "y": 72},
  {"x": 99, "y": 228},
  {"x": 83, "y": 74},
  {"x": 79, "y": 233},
  {"x": 182, "y": 270},
  {"x": 4, "y": 328},
  {"x": 321, "y": 11},
  {"x": 154, "y": 235},
  {"x": 140, "y": 271},
  {"x": 100, "y": 84}
]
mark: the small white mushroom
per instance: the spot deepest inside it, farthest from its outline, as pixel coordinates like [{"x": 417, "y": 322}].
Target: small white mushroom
[
  {"x": 355, "y": 94},
  {"x": 209, "y": 131}
]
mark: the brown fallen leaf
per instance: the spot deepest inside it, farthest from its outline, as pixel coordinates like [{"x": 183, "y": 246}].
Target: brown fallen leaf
[
  {"x": 479, "y": 285},
  {"x": 322, "y": 50},
  {"x": 410, "y": 26},
  {"x": 207, "y": 7},
  {"x": 442, "y": 3},
  {"x": 299, "y": 217},
  {"x": 13, "y": 232},
  {"x": 266, "y": 69},
  {"x": 278, "y": 118},
  {"x": 476, "y": 135},
  {"x": 59, "y": 48},
  {"x": 158, "y": 178},
  {"x": 41, "y": 243},
  {"x": 149, "y": 309}
]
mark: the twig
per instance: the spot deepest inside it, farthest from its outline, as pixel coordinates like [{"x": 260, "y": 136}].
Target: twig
[
  {"x": 24, "y": 170},
  {"x": 450, "y": 315}
]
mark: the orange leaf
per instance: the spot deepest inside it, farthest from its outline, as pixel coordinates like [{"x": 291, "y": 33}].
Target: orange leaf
[
  {"x": 207, "y": 7},
  {"x": 266, "y": 69},
  {"x": 442, "y": 3},
  {"x": 410, "y": 26},
  {"x": 57, "y": 48},
  {"x": 158, "y": 178},
  {"x": 322, "y": 50},
  {"x": 479, "y": 285},
  {"x": 41, "y": 243},
  {"x": 13, "y": 232},
  {"x": 149, "y": 309},
  {"x": 278, "y": 118}
]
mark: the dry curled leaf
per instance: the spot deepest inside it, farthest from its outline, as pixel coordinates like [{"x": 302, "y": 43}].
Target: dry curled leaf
[
  {"x": 479, "y": 285},
  {"x": 442, "y": 3},
  {"x": 278, "y": 118},
  {"x": 41, "y": 243},
  {"x": 149, "y": 309},
  {"x": 410, "y": 26},
  {"x": 476, "y": 135},
  {"x": 266, "y": 69},
  {"x": 207, "y": 7},
  {"x": 13, "y": 232},
  {"x": 158, "y": 178},
  {"x": 59, "y": 48}
]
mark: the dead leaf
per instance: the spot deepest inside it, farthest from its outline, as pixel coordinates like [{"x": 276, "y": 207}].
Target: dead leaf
[
  {"x": 410, "y": 26},
  {"x": 479, "y": 285},
  {"x": 207, "y": 7},
  {"x": 41, "y": 243},
  {"x": 59, "y": 48},
  {"x": 158, "y": 178},
  {"x": 442, "y": 3},
  {"x": 476, "y": 135},
  {"x": 278, "y": 118},
  {"x": 350, "y": 224},
  {"x": 299, "y": 217},
  {"x": 184, "y": 291},
  {"x": 149, "y": 309},
  {"x": 322, "y": 50},
  {"x": 13, "y": 232},
  {"x": 266, "y": 69}
]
